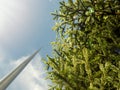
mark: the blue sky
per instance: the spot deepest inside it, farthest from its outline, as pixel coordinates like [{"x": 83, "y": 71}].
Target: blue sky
[{"x": 25, "y": 26}]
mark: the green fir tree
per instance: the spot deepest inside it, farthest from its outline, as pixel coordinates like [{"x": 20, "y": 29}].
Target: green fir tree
[{"x": 86, "y": 53}]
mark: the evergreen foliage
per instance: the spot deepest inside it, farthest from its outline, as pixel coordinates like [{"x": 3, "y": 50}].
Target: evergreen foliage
[{"x": 86, "y": 53}]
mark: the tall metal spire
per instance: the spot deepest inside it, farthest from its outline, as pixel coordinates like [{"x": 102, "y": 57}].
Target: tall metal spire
[{"x": 7, "y": 80}]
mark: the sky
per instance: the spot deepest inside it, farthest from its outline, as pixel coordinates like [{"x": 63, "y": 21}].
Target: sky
[{"x": 25, "y": 26}]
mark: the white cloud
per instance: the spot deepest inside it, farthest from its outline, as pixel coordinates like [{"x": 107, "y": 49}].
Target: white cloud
[
  {"x": 1, "y": 57},
  {"x": 31, "y": 78},
  {"x": 3, "y": 63},
  {"x": 2, "y": 54}
]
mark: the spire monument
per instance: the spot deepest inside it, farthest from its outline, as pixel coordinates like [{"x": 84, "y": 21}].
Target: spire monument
[{"x": 7, "y": 80}]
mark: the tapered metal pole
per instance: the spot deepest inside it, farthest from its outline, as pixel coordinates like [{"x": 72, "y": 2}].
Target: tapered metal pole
[{"x": 7, "y": 80}]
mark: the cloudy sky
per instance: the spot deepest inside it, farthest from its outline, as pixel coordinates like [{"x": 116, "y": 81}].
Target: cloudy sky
[{"x": 25, "y": 26}]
